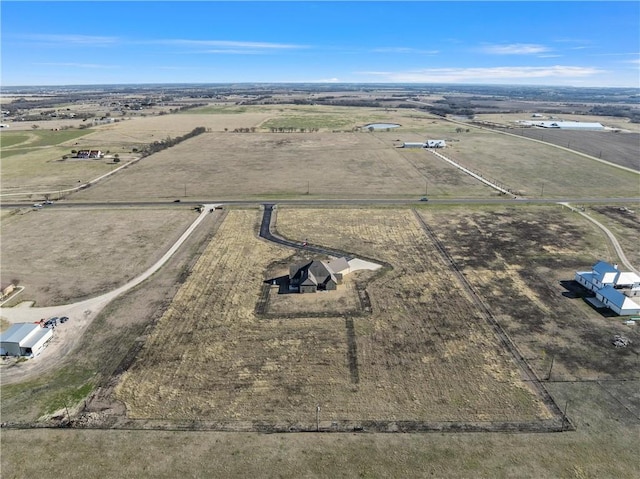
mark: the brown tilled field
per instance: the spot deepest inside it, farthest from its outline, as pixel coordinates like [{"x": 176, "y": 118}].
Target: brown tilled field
[{"x": 424, "y": 354}]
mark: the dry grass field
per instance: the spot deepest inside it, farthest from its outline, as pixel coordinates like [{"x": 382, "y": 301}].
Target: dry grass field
[
  {"x": 522, "y": 262},
  {"x": 624, "y": 222},
  {"x": 537, "y": 170},
  {"x": 424, "y": 354},
  {"x": 61, "y": 255},
  {"x": 285, "y": 165}
]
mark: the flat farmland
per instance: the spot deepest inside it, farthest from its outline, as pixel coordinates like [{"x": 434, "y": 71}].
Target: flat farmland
[
  {"x": 522, "y": 262},
  {"x": 32, "y": 161},
  {"x": 510, "y": 119},
  {"x": 624, "y": 222},
  {"x": 620, "y": 148},
  {"x": 61, "y": 255},
  {"x": 263, "y": 165},
  {"x": 424, "y": 354},
  {"x": 535, "y": 169}
]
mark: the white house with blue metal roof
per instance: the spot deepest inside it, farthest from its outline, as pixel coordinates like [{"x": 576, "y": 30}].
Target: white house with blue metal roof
[
  {"x": 25, "y": 339},
  {"x": 614, "y": 289}
]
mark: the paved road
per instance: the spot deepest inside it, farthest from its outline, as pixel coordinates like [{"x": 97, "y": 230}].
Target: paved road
[
  {"x": 265, "y": 232},
  {"x": 326, "y": 202}
]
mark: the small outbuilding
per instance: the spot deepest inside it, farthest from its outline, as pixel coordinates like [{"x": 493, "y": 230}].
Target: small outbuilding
[
  {"x": 435, "y": 144},
  {"x": 25, "y": 339}
]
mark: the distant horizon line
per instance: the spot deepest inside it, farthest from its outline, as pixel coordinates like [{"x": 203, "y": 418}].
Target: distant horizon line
[{"x": 326, "y": 84}]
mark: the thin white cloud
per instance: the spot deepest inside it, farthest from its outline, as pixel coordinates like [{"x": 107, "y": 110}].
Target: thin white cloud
[
  {"x": 416, "y": 51},
  {"x": 228, "y": 45},
  {"x": 479, "y": 75},
  {"x": 327, "y": 80},
  {"x": 77, "y": 65},
  {"x": 70, "y": 39},
  {"x": 514, "y": 49}
]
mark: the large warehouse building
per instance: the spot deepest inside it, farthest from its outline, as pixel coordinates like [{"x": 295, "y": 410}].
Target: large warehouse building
[
  {"x": 24, "y": 339},
  {"x": 565, "y": 125}
]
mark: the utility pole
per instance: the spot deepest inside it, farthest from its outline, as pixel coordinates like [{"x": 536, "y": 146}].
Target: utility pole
[
  {"x": 564, "y": 414},
  {"x": 553, "y": 357},
  {"x": 426, "y": 188},
  {"x": 318, "y": 418},
  {"x": 185, "y": 190},
  {"x": 542, "y": 191}
]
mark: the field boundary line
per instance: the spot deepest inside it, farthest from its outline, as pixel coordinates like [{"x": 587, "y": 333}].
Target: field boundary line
[{"x": 474, "y": 175}]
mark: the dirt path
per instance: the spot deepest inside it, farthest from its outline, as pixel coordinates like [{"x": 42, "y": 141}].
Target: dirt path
[
  {"x": 80, "y": 314},
  {"x": 614, "y": 242}
]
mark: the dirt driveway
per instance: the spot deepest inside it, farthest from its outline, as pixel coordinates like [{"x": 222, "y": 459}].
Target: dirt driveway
[{"x": 80, "y": 314}]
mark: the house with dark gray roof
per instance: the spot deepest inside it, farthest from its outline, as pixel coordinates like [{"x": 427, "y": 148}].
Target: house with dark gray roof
[{"x": 315, "y": 275}]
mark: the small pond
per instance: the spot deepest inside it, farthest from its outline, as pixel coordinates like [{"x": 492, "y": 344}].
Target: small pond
[{"x": 380, "y": 126}]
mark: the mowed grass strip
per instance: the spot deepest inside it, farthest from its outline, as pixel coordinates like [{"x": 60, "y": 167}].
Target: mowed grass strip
[{"x": 424, "y": 354}]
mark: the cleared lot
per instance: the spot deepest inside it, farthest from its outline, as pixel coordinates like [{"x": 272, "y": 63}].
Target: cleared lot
[{"x": 61, "y": 255}]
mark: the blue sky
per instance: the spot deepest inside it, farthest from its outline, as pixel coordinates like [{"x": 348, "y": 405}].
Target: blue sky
[{"x": 536, "y": 43}]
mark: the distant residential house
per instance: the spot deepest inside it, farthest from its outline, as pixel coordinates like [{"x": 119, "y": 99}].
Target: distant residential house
[
  {"x": 89, "y": 154},
  {"x": 614, "y": 289},
  {"x": 435, "y": 144},
  {"x": 313, "y": 276},
  {"x": 410, "y": 144}
]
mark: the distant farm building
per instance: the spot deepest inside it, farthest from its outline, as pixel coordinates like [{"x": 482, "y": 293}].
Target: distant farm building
[
  {"x": 313, "y": 276},
  {"x": 426, "y": 144},
  {"x": 25, "y": 339},
  {"x": 565, "y": 125},
  {"x": 613, "y": 288},
  {"x": 89, "y": 154}
]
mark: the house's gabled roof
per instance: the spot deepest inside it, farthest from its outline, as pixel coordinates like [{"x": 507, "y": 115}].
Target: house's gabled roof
[
  {"x": 339, "y": 265},
  {"x": 19, "y": 332},
  {"x": 606, "y": 272},
  {"x": 616, "y": 297},
  {"x": 312, "y": 273}
]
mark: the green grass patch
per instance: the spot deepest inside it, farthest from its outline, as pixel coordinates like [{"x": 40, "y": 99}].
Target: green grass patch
[
  {"x": 69, "y": 397},
  {"x": 216, "y": 110},
  {"x": 50, "y": 138},
  {"x": 8, "y": 139},
  {"x": 329, "y": 122},
  {"x": 33, "y": 398}
]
